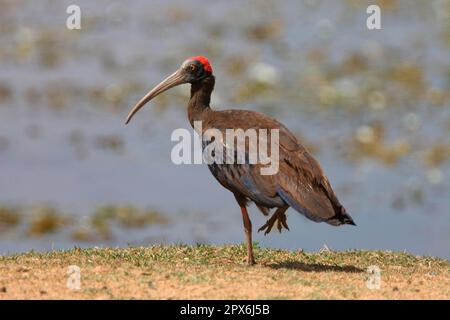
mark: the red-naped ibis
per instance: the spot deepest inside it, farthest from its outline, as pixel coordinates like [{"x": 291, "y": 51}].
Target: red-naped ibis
[{"x": 299, "y": 183}]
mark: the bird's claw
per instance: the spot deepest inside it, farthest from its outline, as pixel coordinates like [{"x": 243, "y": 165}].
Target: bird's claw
[
  {"x": 267, "y": 226},
  {"x": 281, "y": 223}
]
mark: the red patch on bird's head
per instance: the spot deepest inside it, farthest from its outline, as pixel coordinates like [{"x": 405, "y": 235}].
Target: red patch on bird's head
[{"x": 204, "y": 61}]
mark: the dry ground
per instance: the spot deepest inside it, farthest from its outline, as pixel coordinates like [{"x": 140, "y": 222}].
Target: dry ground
[{"x": 210, "y": 272}]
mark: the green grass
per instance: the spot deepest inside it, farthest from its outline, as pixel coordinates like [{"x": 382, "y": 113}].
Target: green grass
[{"x": 205, "y": 271}]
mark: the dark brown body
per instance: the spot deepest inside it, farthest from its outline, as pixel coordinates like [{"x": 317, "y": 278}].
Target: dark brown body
[{"x": 299, "y": 182}]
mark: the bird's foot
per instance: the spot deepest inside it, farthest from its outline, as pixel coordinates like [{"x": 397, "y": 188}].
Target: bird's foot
[{"x": 278, "y": 217}]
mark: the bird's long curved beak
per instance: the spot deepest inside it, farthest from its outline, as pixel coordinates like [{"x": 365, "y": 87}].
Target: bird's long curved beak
[{"x": 171, "y": 81}]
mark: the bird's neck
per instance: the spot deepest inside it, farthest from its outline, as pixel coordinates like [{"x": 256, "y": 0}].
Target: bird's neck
[{"x": 200, "y": 97}]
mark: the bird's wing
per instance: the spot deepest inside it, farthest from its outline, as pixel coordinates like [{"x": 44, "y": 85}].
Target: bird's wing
[
  {"x": 300, "y": 181},
  {"x": 241, "y": 178},
  {"x": 302, "y": 184}
]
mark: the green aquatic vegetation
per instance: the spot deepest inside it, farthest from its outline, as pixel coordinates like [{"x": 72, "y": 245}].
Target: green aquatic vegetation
[
  {"x": 45, "y": 220},
  {"x": 41, "y": 220},
  {"x": 265, "y": 30},
  {"x": 104, "y": 218},
  {"x": 436, "y": 154},
  {"x": 5, "y": 93},
  {"x": 9, "y": 217},
  {"x": 48, "y": 46},
  {"x": 369, "y": 142},
  {"x": 110, "y": 142},
  {"x": 127, "y": 216}
]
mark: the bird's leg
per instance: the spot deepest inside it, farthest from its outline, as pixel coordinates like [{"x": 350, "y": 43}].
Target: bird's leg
[
  {"x": 278, "y": 216},
  {"x": 248, "y": 234}
]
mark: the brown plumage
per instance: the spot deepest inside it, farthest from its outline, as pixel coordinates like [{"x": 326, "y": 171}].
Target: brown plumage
[{"x": 299, "y": 183}]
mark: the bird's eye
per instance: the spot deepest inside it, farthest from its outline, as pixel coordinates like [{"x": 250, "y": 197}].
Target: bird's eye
[{"x": 192, "y": 68}]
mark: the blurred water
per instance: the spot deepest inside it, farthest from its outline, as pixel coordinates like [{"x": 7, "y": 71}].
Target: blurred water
[{"x": 68, "y": 88}]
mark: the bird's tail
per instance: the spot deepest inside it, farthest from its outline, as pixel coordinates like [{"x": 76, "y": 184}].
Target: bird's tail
[
  {"x": 348, "y": 220},
  {"x": 342, "y": 217}
]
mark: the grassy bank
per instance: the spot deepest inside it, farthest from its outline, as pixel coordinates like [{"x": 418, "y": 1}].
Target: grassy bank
[{"x": 217, "y": 272}]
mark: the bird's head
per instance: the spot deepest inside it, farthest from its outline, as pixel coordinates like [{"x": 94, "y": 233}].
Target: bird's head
[{"x": 191, "y": 70}]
